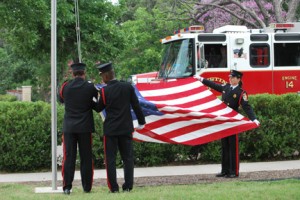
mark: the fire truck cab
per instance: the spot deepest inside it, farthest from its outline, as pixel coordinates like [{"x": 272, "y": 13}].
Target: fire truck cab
[{"x": 269, "y": 58}]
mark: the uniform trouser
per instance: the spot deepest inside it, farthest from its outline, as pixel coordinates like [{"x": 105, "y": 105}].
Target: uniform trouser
[
  {"x": 111, "y": 146},
  {"x": 84, "y": 141},
  {"x": 230, "y": 155}
]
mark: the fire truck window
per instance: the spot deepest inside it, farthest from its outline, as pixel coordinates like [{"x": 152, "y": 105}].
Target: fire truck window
[
  {"x": 287, "y": 54},
  {"x": 259, "y": 55},
  {"x": 216, "y": 55},
  {"x": 178, "y": 59}
]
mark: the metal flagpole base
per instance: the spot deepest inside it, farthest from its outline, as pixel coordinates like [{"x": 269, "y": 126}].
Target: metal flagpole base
[{"x": 48, "y": 190}]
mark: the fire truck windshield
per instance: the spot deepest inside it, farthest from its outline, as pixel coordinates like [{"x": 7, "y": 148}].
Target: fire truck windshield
[{"x": 177, "y": 60}]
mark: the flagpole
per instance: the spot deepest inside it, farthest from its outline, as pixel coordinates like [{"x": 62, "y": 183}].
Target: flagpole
[{"x": 53, "y": 95}]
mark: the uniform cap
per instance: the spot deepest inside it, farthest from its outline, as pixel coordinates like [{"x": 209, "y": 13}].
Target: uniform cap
[
  {"x": 78, "y": 66},
  {"x": 235, "y": 73},
  {"x": 104, "y": 67}
]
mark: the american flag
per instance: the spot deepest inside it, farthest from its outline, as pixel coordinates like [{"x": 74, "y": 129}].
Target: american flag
[{"x": 184, "y": 111}]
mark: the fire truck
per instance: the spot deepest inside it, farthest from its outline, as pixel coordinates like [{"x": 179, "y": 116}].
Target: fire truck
[{"x": 269, "y": 58}]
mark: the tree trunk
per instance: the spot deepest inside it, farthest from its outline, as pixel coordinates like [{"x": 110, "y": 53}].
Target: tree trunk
[
  {"x": 277, "y": 10},
  {"x": 291, "y": 15}
]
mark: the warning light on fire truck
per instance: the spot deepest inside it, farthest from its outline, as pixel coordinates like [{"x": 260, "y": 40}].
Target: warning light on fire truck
[
  {"x": 191, "y": 29},
  {"x": 281, "y": 25}
]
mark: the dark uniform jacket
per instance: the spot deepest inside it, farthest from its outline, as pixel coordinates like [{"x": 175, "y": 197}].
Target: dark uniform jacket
[
  {"x": 77, "y": 95},
  {"x": 233, "y": 98},
  {"x": 117, "y": 100}
]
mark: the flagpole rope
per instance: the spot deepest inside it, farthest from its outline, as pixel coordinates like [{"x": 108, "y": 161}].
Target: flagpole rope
[{"x": 78, "y": 30}]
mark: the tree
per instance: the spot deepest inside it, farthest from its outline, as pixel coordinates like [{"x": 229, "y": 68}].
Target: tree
[
  {"x": 252, "y": 13},
  {"x": 14, "y": 72},
  {"x": 143, "y": 24},
  {"x": 25, "y": 26}
]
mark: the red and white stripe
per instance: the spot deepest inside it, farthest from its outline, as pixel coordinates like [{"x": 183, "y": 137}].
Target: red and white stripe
[{"x": 193, "y": 115}]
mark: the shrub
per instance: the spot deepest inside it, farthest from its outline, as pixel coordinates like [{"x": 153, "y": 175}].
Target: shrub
[
  {"x": 278, "y": 136},
  {"x": 153, "y": 154},
  {"x": 7, "y": 97},
  {"x": 25, "y": 137}
]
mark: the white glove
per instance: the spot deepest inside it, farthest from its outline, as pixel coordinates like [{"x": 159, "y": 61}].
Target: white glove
[
  {"x": 139, "y": 127},
  {"x": 95, "y": 100},
  {"x": 198, "y": 77},
  {"x": 256, "y": 122}
]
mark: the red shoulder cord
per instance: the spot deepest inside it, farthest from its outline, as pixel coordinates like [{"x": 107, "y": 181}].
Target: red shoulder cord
[
  {"x": 62, "y": 88},
  {"x": 103, "y": 97},
  {"x": 241, "y": 97}
]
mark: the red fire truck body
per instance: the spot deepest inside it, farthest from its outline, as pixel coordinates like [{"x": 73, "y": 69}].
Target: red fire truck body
[{"x": 269, "y": 58}]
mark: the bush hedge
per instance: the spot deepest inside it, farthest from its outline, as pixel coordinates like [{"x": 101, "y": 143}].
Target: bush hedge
[
  {"x": 25, "y": 137},
  {"x": 7, "y": 97}
]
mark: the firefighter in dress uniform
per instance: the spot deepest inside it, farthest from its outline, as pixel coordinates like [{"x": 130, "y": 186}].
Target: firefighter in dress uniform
[
  {"x": 117, "y": 98},
  {"x": 233, "y": 96},
  {"x": 78, "y": 96}
]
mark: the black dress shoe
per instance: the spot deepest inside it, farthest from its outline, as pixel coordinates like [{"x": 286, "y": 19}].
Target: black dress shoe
[
  {"x": 67, "y": 191},
  {"x": 126, "y": 190},
  {"x": 231, "y": 176},
  {"x": 114, "y": 191},
  {"x": 222, "y": 174}
]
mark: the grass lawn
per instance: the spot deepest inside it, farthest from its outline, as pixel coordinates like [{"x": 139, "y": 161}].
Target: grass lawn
[{"x": 281, "y": 189}]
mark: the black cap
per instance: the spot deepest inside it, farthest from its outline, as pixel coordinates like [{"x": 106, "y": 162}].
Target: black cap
[
  {"x": 235, "y": 73},
  {"x": 78, "y": 66},
  {"x": 104, "y": 67}
]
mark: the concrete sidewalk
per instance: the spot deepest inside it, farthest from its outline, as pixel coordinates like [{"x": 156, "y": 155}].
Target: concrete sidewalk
[{"x": 157, "y": 171}]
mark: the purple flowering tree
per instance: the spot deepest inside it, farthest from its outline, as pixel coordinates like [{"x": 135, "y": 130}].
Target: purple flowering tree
[{"x": 251, "y": 13}]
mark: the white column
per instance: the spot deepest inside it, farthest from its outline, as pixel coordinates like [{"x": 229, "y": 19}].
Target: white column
[{"x": 26, "y": 93}]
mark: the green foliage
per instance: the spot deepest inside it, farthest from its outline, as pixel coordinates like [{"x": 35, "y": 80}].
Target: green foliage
[
  {"x": 28, "y": 33},
  {"x": 278, "y": 137},
  {"x": 127, "y": 34},
  {"x": 210, "y": 152},
  {"x": 25, "y": 133},
  {"x": 27, "y": 26},
  {"x": 143, "y": 49},
  {"x": 98, "y": 148},
  {"x": 8, "y": 97},
  {"x": 152, "y": 154},
  {"x": 14, "y": 73}
]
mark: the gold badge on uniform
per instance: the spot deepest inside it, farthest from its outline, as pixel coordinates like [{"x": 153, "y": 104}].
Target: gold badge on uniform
[
  {"x": 234, "y": 96},
  {"x": 245, "y": 97}
]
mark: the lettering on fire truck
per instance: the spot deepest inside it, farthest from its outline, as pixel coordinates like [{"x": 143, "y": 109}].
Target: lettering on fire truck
[{"x": 269, "y": 58}]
